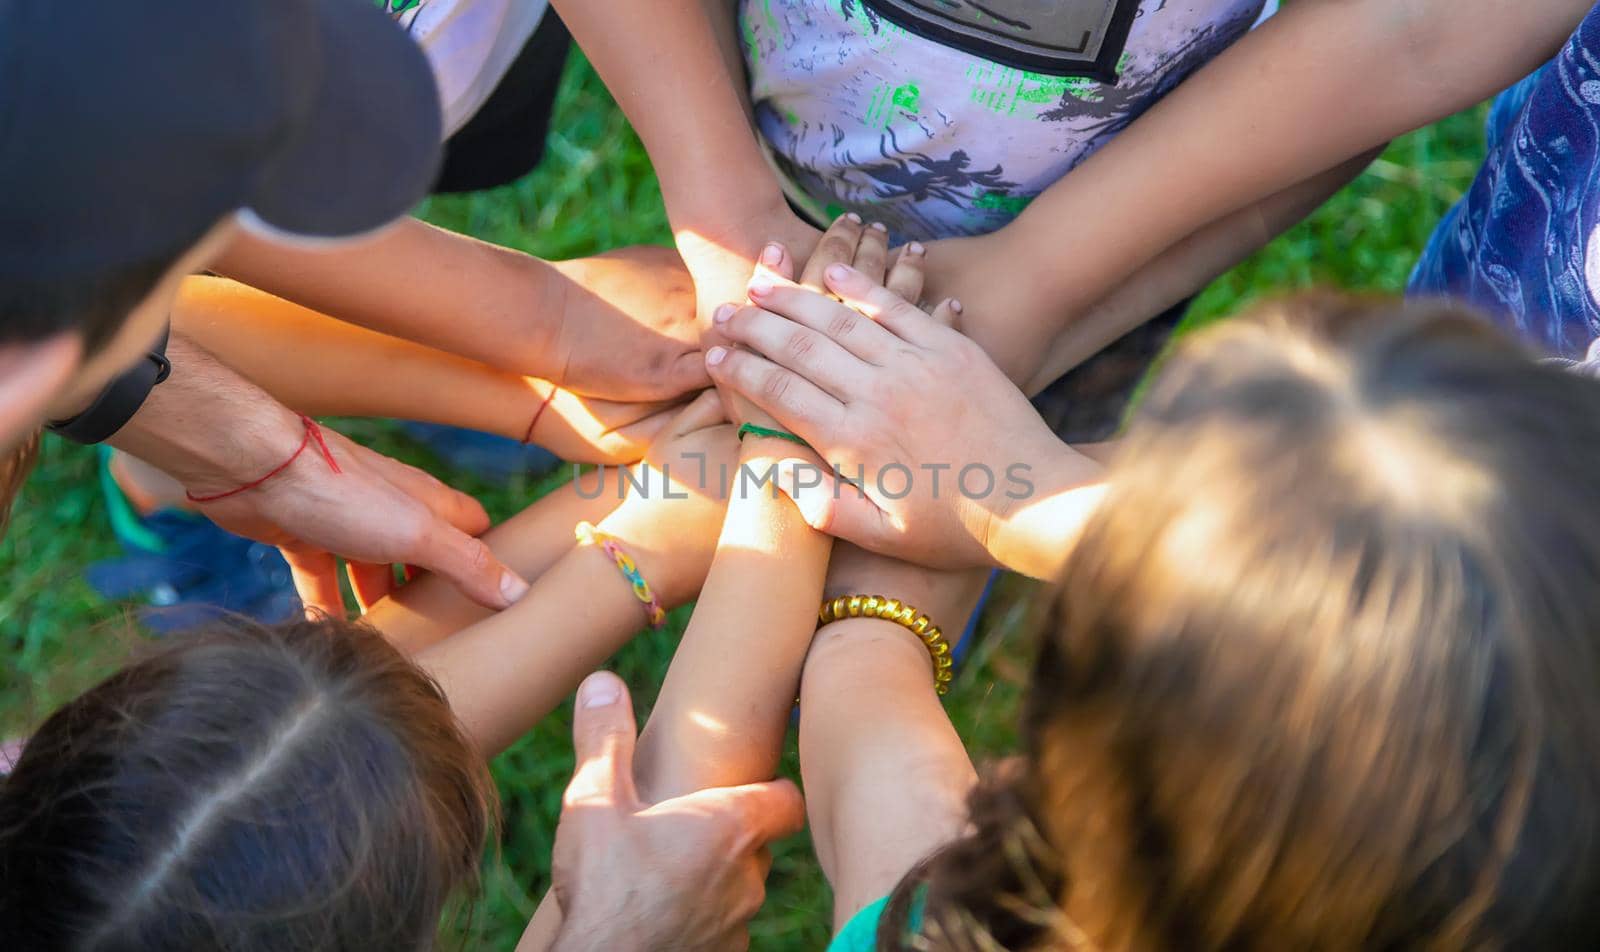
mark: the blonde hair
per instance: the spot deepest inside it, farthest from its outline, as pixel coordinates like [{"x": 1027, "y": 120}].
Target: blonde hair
[{"x": 1321, "y": 672}]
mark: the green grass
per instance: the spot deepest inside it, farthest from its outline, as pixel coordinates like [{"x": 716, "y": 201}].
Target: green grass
[{"x": 594, "y": 191}]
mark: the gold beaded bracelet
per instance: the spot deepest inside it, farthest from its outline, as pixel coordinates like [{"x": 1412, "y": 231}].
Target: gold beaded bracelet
[{"x": 893, "y": 609}]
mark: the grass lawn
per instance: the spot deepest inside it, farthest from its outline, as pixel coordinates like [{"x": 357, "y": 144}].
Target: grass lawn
[{"x": 594, "y": 191}]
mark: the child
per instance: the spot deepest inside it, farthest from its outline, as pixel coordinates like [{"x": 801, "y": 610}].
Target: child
[
  {"x": 1218, "y": 165},
  {"x": 1333, "y": 689},
  {"x": 301, "y": 787},
  {"x": 307, "y": 787}
]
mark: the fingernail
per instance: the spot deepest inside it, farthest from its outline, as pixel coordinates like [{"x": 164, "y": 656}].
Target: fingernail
[
  {"x": 772, "y": 255},
  {"x": 854, "y": 217},
  {"x": 599, "y": 690},
  {"x": 838, "y": 272},
  {"x": 721, "y": 314},
  {"x": 916, "y": 248},
  {"x": 955, "y": 306},
  {"x": 512, "y": 587},
  {"x": 716, "y": 355},
  {"x": 878, "y": 226},
  {"x": 760, "y": 285}
]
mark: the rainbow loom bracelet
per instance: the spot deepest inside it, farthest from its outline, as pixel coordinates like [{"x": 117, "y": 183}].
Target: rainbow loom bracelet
[{"x": 589, "y": 535}]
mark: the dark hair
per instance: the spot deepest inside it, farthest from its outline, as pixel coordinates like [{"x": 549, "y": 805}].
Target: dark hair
[
  {"x": 247, "y": 788},
  {"x": 1322, "y": 671}
]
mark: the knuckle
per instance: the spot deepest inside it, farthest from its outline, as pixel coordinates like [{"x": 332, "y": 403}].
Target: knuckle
[
  {"x": 800, "y": 345},
  {"x": 841, "y": 324},
  {"x": 775, "y": 386},
  {"x": 904, "y": 310}
]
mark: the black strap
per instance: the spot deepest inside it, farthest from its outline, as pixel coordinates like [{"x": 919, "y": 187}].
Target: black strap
[
  {"x": 120, "y": 400},
  {"x": 1060, "y": 38}
]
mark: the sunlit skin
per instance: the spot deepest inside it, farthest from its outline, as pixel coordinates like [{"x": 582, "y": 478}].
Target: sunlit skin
[{"x": 312, "y": 363}]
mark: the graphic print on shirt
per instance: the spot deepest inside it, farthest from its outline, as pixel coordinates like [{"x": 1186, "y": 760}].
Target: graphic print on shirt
[
  {"x": 861, "y": 114},
  {"x": 1063, "y": 37},
  {"x": 403, "y": 11}
]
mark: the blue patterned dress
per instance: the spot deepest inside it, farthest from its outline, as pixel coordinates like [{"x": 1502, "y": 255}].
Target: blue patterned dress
[{"x": 1524, "y": 242}]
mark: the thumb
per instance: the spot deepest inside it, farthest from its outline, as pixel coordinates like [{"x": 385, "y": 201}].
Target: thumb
[
  {"x": 470, "y": 566},
  {"x": 603, "y": 734},
  {"x": 704, "y": 411},
  {"x": 686, "y": 375},
  {"x": 765, "y": 811},
  {"x": 832, "y": 505}
]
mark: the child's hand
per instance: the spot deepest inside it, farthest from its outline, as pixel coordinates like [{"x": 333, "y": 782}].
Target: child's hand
[
  {"x": 675, "y": 499},
  {"x": 846, "y": 241},
  {"x": 944, "y": 447},
  {"x": 627, "y": 328},
  {"x": 591, "y": 430}
]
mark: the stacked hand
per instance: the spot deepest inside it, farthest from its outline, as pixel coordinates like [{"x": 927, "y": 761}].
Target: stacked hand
[
  {"x": 376, "y": 512},
  {"x": 722, "y": 263},
  {"x": 944, "y": 446},
  {"x": 687, "y": 873},
  {"x": 676, "y": 498},
  {"x": 627, "y": 330}
]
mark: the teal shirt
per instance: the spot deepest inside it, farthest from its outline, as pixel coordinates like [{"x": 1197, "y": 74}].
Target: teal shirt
[{"x": 860, "y": 934}]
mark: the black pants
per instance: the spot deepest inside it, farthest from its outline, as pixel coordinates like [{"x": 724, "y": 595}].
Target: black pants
[{"x": 504, "y": 140}]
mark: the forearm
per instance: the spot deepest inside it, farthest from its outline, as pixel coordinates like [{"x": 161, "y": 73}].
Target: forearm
[
  {"x": 886, "y": 776},
  {"x": 725, "y": 703},
  {"x": 428, "y": 609},
  {"x": 208, "y": 427},
  {"x": 422, "y": 283},
  {"x": 321, "y": 366},
  {"x": 1320, "y": 83},
  {"x": 1178, "y": 273},
  {"x": 697, "y": 126},
  {"x": 507, "y": 672}
]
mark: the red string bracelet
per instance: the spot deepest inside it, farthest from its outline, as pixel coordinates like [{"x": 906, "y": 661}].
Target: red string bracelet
[
  {"x": 528, "y": 436},
  {"x": 313, "y": 432}
]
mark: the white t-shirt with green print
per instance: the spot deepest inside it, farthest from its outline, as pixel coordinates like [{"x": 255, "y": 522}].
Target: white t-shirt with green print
[{"x": 906, "y": 112}]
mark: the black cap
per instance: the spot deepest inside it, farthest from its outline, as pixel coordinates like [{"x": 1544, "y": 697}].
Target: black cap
[{"x": 127, "y": 130}]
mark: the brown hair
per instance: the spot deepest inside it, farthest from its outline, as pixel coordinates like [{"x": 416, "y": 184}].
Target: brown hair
[
  {"x": 1322, "y": 671},
  {"x": 299, "y": 787},
  {"x": 16, "y": 464}
]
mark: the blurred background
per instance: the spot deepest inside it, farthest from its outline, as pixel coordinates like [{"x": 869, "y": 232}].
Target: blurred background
[{"x": 595, "y": 191}]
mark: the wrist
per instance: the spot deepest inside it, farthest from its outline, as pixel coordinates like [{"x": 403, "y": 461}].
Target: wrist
[
  {"x": 545, "y": 288},
  {"x": 1036, "y": 528},
  {"x": 738, "y": 205},
  {"x": 209, "y": 428}
]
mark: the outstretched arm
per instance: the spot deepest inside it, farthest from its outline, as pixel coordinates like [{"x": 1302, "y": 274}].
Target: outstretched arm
[
  {"x": 321, "y": 366},
  {"x": 722, "y": 197},
  {"x": 1321, "y": 82},
  {"x": 886, "y": 776},
  {"x": 506, "y": 671},
  {"x": 502, "y": 307}
]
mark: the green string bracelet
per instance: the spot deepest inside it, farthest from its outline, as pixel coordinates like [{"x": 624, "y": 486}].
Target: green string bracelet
[{"x": 751, "y": 428}]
